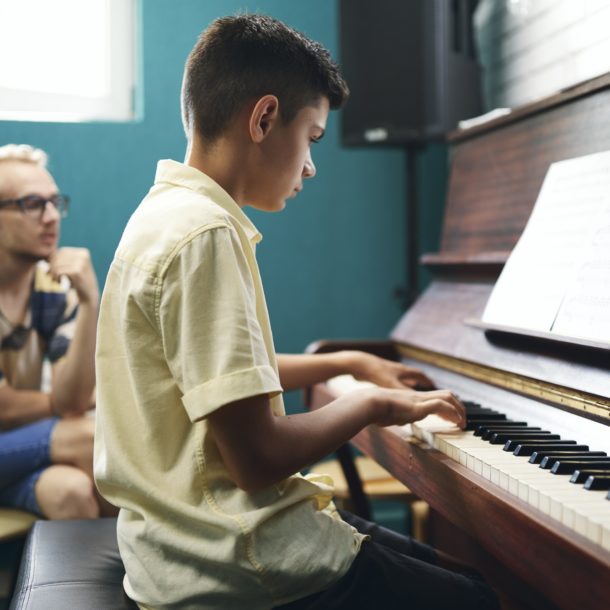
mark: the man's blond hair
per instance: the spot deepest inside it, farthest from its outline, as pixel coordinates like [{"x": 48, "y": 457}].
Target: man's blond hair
[{"x": 23, "y": 152}]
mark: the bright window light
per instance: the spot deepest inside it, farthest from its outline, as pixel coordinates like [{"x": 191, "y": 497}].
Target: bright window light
[{"x": 67, "y": 60}]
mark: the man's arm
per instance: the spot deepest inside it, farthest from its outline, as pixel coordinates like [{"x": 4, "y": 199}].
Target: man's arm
[
  {"x": 74, "y": 375},
  {"x": 304, "y": 370},
  {"x": 20, "y": 407},
  {"x": 260, "y": 449}
]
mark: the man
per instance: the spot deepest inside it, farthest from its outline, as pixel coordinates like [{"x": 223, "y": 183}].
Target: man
[{"x": 48, "y": 310}]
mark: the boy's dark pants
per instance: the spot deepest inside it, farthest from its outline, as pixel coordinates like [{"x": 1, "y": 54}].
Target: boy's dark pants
[{"x": 392, "y": 571}]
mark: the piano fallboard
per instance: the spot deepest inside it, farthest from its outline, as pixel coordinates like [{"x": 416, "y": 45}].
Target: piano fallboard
[{"x": 563, "y": 565}]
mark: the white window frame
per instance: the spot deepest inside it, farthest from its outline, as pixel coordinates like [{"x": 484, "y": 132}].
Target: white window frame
[{"x": 120, "y": 102}]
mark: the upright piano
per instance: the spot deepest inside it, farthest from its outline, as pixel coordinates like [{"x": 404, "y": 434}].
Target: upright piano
[{"x": 542, "y": 540}]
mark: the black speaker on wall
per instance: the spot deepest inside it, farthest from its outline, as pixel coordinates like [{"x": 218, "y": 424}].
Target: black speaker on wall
[{"x": 411, "y": 68}]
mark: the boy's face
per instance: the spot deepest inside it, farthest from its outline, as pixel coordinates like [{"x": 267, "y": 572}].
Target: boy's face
[
  {"x": 23, "y": 235},
  {"x": 286, "y": 160}
]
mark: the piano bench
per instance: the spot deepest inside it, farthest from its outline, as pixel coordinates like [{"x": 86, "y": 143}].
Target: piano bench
[
  {"x": 377, "y": 484},
  {"x": 71, "y": 564}
]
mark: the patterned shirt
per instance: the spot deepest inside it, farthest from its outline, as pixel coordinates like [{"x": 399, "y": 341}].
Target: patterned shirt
[{"x": 45, "y": 333}]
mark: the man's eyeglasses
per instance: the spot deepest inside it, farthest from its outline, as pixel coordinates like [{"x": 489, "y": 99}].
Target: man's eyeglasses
[{"x": 35, "y": 205}]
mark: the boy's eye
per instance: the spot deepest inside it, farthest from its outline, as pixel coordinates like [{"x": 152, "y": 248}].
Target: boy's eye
[{"x": 314, "y": 140}]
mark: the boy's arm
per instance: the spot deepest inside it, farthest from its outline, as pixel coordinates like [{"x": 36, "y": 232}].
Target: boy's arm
[
  {"x": 74, "y": 374},
  {"x": 304, "y": 370},
  {"x": 260, "y": 449}
]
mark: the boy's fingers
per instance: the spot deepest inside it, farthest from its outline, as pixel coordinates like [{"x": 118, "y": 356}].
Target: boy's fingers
[
  {"x": 417, "y": 379},
  {"x": 444, "y": 409}
]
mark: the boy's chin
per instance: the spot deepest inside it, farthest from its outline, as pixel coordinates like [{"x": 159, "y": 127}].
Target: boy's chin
[{"x": 270, "y": 206}]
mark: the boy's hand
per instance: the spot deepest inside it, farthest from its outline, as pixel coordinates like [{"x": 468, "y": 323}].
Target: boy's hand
[
  {"x": 400, "y": 407},
  {"x": 387, "y": 373},
  {"x": 75, "y": 264}
]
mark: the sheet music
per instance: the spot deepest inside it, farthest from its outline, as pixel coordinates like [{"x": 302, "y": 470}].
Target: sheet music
[{"x": 557, "y": 278}]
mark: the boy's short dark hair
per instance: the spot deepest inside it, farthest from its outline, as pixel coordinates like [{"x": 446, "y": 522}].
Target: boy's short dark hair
[{"x": 244, "y": 57}]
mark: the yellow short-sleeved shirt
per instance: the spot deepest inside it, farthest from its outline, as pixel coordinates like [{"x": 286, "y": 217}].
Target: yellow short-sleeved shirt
[{"x": 183, "y": 330}]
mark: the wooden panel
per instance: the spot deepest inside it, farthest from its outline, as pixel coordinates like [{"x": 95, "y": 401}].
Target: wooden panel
[{"x": 496, "y": 175}]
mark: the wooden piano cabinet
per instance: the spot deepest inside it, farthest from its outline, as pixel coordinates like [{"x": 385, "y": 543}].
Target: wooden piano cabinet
[{"x": 513, "y": 592}]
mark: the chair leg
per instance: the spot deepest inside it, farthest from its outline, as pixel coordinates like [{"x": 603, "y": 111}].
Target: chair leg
[
  {"x": 419, "y": 520},
  {"x": 359, "y": 501}
]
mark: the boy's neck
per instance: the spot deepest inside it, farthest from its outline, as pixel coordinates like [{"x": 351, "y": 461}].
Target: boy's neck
[{"x": 223, "y": 162}]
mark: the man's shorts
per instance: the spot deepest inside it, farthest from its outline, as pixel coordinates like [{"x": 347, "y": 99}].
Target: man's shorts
[{"x": 24, "y": 455}]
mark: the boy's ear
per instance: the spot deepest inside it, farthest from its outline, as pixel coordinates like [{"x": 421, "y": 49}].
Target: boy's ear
[{"x": 263, "y": 116}]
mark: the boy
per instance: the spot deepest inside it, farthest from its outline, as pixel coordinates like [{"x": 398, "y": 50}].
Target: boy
[{"x": 192, "y": 441}]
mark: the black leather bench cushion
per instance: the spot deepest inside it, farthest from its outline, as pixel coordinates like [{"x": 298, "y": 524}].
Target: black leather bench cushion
[{"x": 71, "y": 565}]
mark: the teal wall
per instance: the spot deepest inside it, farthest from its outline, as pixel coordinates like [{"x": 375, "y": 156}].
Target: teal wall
[{"x": 330, "y": 262}]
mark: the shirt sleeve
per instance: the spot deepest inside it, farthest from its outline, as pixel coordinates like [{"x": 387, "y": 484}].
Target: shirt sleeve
[
  {"x": 211, "y": 335},
  {"x": 54, "y": 318},
  {"x": 62, "y": 337}
]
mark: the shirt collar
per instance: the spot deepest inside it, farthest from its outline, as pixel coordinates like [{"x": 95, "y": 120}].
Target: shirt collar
[{"x": 179, "y": 174}]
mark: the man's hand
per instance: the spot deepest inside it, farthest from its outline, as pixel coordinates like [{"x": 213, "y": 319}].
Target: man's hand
[
  {"x": 75, "y": 264},
  {"x": 387, "y": 373}
]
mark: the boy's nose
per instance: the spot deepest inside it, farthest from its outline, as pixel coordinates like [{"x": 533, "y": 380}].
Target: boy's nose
[{"x": 309, "y": 169}]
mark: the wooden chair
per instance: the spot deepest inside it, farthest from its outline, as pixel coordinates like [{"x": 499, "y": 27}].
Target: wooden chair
[
  {"x": 361, "y": 480},
  {"x": 15, "y": 523}
]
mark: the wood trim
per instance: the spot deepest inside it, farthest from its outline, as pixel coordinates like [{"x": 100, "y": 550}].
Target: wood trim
[
  {"x": 582, "y": 403},
  {"x": 465, "y": 258},
  {"x": 523, "y": 112}
]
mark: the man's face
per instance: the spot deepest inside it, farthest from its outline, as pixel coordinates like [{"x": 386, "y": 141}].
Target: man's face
[
  {"x": 21, "y": 235},
  {"x": 287, "y": 158}
]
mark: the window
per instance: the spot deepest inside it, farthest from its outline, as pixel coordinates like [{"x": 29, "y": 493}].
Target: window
[{"x": 67, "y": 60}]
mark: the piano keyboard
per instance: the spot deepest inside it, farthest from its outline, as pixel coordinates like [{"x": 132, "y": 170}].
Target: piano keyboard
[{"x": 555, "y": 473}]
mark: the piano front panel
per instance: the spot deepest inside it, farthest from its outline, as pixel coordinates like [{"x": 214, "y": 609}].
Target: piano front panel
[{"x": 436, "y": 322}]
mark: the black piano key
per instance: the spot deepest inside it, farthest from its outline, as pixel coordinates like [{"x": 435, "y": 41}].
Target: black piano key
[
  {"x": 485, "y": 416},
  {"x": 472, "y": 424},
  {"x": 540, "y": 444},
  {"x": 548, "y": 463},
  {"x": 569, "y": 451},
  {"x": 569, "y": 466},
  {"x": 488, "y": 432},
  {"x": 580, "y": 476},
  {"x": 480, "y": 409},
  {"x": 598, "y": 482},
  {"x": 499, "y": 438},
  {"x": 529, "y": 448},
  {"x": 501, "y": 425}
]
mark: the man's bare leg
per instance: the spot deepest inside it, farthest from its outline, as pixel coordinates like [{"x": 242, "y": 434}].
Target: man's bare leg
[
  {"x": 65, "y": 492},
  {"x": 72, "y": 444}
]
